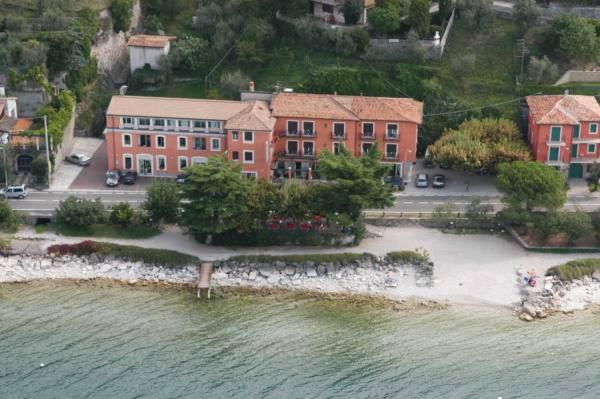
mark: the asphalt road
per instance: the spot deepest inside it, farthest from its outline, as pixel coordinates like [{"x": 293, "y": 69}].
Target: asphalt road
[{"x": 47, "y": 201}]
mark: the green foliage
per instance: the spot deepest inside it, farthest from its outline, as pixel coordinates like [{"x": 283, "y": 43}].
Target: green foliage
[
  {"x": 446, "y": 7},
  {"x": 231, "y": 83},
  {"x": 444, "y": 213},
  {"x": 121, "y": 12},
  {"x": 525, "y": 14},
  {"x": 416, "y": 257},
  {"x": 135, "y": 231},
  {"x": 475, "y": 210},
  {"x": 59, "y": 114},
  {"x": 530, "y": 185},
  {"x": 346, "y": 81},
  {"x": 190, "y": 54},
  {"x": 542, "y": 70},
  {"x": 9, "y": 219},
  {"x": 341, "y": 258},
  {"x": 39, "y": 170},
  {"x": 162, "y": 201},
  {"x": 360, "y": 38},
  {"x": 352, "y": 10},
  {"x": 574, "y": 38},
  {"x": 385, "y": 19},
  {"x": 477, "y": 13},
  {"x": 264, "y": 200},
  {"x": 77, "y": 212},
  {"x": 122, "y": 214},
  {"x": 477, "y": 144},
  {"x": 575, "y": 269},
  {"x": 419, "y": 18},
  {"x": 576, "y": 225},
  {"x": 152, "y": 24},
  {"x": 546, "y": 224}
]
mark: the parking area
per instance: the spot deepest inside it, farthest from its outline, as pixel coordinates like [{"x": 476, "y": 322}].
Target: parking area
[{"x": 67, "y": 173}]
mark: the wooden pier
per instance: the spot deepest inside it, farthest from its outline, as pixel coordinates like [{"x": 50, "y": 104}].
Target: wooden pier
[{"x": 204, "y": 277}]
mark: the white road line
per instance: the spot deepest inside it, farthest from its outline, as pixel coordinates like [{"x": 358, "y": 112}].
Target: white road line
[{"x": 407, "y": 202}]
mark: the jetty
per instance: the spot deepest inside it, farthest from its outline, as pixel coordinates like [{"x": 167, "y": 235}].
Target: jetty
[{"x": 204, "y": 278}]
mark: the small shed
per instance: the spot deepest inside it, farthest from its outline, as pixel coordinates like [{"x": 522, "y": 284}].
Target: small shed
[{"x": 147, "y": 49}]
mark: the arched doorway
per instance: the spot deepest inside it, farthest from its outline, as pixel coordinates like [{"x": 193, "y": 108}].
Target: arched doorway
[{"x": 24, "y": 163}]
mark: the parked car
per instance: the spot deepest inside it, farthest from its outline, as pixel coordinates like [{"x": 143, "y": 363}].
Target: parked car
[
  {"x": 439, "y": 181},
  {"x": 181, "y": 178},
  {"x": 422, "y": 180},
  {"x": 130, "y": 177},
  {"x": 428, "y": 163},
  {"x": 79, "y": 159},
  {"x": 19, "y": 192},
  {"x": 482, "y": 172},
  {"x": 112, "y": 178},
  {"x": 444, "y": 165},
  {"x": 395, "y": 182}
]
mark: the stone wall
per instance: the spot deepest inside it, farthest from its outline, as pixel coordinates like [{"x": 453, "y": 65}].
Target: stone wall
[{"x": 574, "y": 76}]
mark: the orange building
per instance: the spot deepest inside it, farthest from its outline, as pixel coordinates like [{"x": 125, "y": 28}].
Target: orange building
[
  {"x": 279, "y": 136},
  {"x": 564, "y": 132}
]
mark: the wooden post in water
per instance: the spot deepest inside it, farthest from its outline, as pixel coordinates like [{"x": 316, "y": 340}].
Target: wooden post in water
[{"x": 204, "y": 276}]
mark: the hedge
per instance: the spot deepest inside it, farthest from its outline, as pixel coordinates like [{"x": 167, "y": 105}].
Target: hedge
[
  {"x": 575, "y": 269},
  {"x": 408, "y": 257},
  {"x": 317, "y": 258}
]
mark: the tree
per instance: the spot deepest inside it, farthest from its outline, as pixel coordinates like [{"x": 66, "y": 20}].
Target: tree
[
  {"x": 354, "y": 183},
  {"x": 264, "y": 200},
  {"x": 39, "y": 170},
  {"x": 190, "y": 54},
  {"x": 546, "y": 224},
  {"x": 152, "y": 24},
  {"x": 478, "y": 13},
  {"x": 352, "y": 10},
  {"x": 385, "y": 19},
  {"x": 419, "y": 18},
  {"x": 446, "y": 7},
  {"x": 231, "y": 83},
  {"x": 480, "y": 144},
  {"x": 476, "y": 210},
  {"x": 416, "y": 52},
  {"x": 528, "y": 185},
  {"x": 525, "y": 14},
  {"x": 574, "y": 38},
  {"x": 162, "y": 201},
  {"x": 122, "y": 213},
  {"x": 77, "y": 212},
  {"x": 296, "y": 200},
  {"x": 576, "y": 225},
  {"x": 215, "y": 199},
  {"x": 442, "y": 214},
  {"x": 121, "y": 11},
  {"x": 361, "y": 39},
  {"x": 542, "y": 70}
]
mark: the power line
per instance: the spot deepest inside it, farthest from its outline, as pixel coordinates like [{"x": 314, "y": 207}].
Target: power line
[
  {"x": 385, "y": 79},
  {"x": 475, "y": 108}
]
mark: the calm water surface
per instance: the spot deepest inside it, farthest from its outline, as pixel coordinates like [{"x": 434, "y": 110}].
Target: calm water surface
[{"x": 120, "y": 342}]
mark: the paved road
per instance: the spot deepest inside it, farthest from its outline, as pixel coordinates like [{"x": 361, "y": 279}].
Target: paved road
[{"x": 47, "y": 201}]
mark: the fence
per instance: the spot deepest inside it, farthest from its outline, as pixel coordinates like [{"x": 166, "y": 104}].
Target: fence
[{"x": 397, "y": 49}]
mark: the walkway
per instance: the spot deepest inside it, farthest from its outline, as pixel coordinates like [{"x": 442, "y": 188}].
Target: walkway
[{"x": 66, "y": 172}]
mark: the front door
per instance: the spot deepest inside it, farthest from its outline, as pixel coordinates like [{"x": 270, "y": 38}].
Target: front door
[
  {"x": 145, "y": 166},
  {"x": 576, "y": 170}
]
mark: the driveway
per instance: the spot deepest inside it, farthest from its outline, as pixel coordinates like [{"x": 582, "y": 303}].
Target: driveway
[{"x": 67, "y": 173}]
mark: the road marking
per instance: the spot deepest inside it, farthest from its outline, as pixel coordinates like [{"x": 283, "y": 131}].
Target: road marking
[
  {"x": 407, "y": 202},
  {"x": 423, "y": 203}
]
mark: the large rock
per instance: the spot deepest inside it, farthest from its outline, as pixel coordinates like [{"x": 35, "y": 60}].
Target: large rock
[
  {"x": 596, "y": 276},
  {"x": 525, "y": 317},
  {"x": 330, "y": 268},
  {"x": 289, "y": 270},
  {"x": 311, "y": 271},
  {"x": 530, "y": 309},
  {"x": 266, "y": 271},
  {"x": 252, "y": 275}
]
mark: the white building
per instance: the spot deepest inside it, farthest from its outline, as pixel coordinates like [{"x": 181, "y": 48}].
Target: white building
[{"x": 147, "y": 49}]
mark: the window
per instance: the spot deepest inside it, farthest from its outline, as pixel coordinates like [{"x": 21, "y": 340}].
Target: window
[
  {"x": 160, "y": 142},
  {"x": 576, "y": 131},
  {"x": 199, "y": 143},
  {"x": 366, "y": 147},
  {"x": 144, "y": 123},
  {"x": 161, "y": 163},
  {"x": 184, "y": 124},
  {"x": 391, "y": 151},
  {"x": 337, "y": 147},
  {"x": 328, "y": 8},
  {"x": 235, "y": 136},
  {"x": 145, "y": 140},
  {"x": 214, "y": 124},
  {"x": 215, "y": 144},
  {"x": 249, "y": 175},
  {"x": 248, "y": 137},
  {"x": 181, "y": 143},
  {"x": 308, "y": 148},
  {"x": 183, "y": 163},
  {"x": 292, "y": 147},
  {"x": 574, "y": 150},
  {"x": 248, "y": 156},
  {"x": 339, "y": 130},
  {"x": 159, "y": 122},
  {"x": 368, "y": 129},
  {"x": 199, "y": 160},
  {"x": 308, "y": 128},
  {"x": 292, "y": 127},
  {"x": 553, "y": 153},
  {"x": 555, "y": 133},
  {"x": 392, "y": 130},
  {"x": 199, "y": 124},
  {"x": 127, "y": 140},
  {"x": 127, "y": 120},
  {"x": 591, "y": 149},
  {"x": 593, "y": 128},
  {"x": 127, "y": 161},
  {"x": 235, "y": 155},
  {"x": 171, "y": 123}
]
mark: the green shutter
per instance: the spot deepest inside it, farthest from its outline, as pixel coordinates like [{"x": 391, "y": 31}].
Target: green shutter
[
  {"x": 555, "y": 135},
  {"x": 576, "y": 131},
  {"x": 553, "y": 154},
  {"x": 593, "y": 128},
  {"x": 574, "y": 151}
]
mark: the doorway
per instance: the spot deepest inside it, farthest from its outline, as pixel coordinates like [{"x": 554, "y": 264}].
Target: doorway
[{"x": 144, "y": 166}]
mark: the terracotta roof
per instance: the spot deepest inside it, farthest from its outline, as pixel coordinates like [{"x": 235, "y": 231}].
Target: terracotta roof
[
  {"x": 563, "y": 109},
  {"x": 14, "y": 125},
  {"x": 256, "y": 116},
  {"x": 177, "y": 108},
  {"x": 327, "y": 106},
  {"x": 150, "y": 41}
]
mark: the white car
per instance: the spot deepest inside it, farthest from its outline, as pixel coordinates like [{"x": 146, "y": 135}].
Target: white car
[
  {"x": 19, "y": 192},
  {"x": 79, "y": 159}
]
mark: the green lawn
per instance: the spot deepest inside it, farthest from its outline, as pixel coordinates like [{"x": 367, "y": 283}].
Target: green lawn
[
  {"x": 30, "y": 8},
  {"x": 108, "y": 230}
]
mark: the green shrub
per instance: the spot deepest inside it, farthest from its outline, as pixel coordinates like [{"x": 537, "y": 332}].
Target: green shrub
[
  {"x": 121, "y": 14},
  {"x": 316, "y": 258},
  {"x": 9, "y": 219},
  {"x": 122, "y": 214},
  {"x": 39, "y": 170},
  {"x": 417, "y": 257},
  {"x": 575, "y": 269},
  {"x": 546, "y": 224},
  {"x": 133, "y": 231},
  {"x": 576, "y": 225},
  {"x": 78, "y": 212}
]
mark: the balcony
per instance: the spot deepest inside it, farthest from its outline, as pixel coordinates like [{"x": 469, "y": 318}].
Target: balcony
[
  {"x": 338, "y": 136},
  {"x": 297, "y": 154},
  {"x": 392, "y": 135},
  {"x": 585, "y": 159},
  {"x": 552, "y": 143},
  {"x": 289, "y": 133},
  {"x": 557, "y": 163},
  {"x": 367, "y": 136},
  {"x": 391, "y": 155}
]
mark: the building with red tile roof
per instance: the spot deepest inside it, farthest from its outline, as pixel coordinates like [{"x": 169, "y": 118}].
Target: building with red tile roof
[{"x": 148, "y": 49}]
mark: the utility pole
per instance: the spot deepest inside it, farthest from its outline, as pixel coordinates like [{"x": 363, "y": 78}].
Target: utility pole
[
  {"x": 524, "y": 51},
  {"x": 49, "y": 165},
  {"x": 5, "y": 168}
]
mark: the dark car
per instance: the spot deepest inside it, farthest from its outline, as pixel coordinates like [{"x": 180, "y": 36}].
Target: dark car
[
  {"x": 129, "y": 177},
  {"x": 395, "y": 182},
  {"x": 181, "y": 178},
  {"x": 439, "y": 181},
  {"x": 428, "y": 163}
]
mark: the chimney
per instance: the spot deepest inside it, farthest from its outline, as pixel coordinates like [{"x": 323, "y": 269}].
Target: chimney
[
  {"x": 251, "y": 86},
  {"x": 123, "y": 90},
  {"x": 566, "y": 92}
]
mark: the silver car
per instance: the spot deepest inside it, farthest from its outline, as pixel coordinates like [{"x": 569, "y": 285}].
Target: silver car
[
  {"x": 422, "y": 180},
  {"x": 19, "y": 192},
  {"x": 112, "y": 178},
  {"x": 79, "y": 159}
]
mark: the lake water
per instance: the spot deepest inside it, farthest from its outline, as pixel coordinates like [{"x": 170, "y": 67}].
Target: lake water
[{"x": 123, "y": 342}]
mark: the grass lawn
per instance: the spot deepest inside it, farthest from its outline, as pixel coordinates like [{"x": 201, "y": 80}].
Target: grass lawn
[
  {"x": 109, "y": 230},
  {"x": 30, "y": 8}
]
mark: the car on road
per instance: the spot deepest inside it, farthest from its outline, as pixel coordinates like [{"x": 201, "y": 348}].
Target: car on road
[
  {"x": 422, "y": 180},
  {"x": 19, "y": 192},
  {"x": 130, "y": 177},
  {"x": 112, "y": 178},
  {"x": 439, "y": 181},
  {"x": 79, "y": 159},
  {"x": 181, "y": 178},
  {"x": 395, "y": 182}
]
